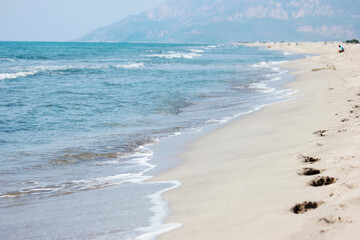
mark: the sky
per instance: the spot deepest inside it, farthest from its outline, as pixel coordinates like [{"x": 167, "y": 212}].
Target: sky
[{"x": 63, "y": 20}]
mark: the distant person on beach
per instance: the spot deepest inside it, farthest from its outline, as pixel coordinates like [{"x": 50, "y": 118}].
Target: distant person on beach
[{"x": 341, "y": 49}]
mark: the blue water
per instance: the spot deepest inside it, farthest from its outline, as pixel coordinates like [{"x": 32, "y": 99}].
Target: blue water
[{"x": 79, "y": 119}]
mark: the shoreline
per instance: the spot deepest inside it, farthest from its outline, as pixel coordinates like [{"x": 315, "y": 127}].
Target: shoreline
[{"x": 241, "y": 181}]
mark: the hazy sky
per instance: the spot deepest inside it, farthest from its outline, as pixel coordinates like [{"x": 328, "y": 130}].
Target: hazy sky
[{"x": 62, "y": 20}]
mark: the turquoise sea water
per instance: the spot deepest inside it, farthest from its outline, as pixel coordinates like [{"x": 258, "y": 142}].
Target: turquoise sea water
[{"x": 78, "y": 122}]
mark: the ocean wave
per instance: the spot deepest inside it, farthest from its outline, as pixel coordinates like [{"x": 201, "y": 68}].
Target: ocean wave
[
  {"x": 211, "y": 47},
  {"x": 172, "y": 55},
  {"x": 218, "y": 121},
  {"x": 140, "y": 158},
  {"x": 261, "y": 87},
  {"x": 268, "y": 64},
  {"x": 286, "y": 92},
  {"x": 72, "y": 158},
  {"x": 239, "y": 87},
  {"x": 30, "y": 71},
  {"x": 33, "y": 191},
  {"x": 4, "y": 76},
  {"x": 7, "y": 60},
  {"x": 287, "y": 53},
  {"x": 196, "y": 50},
  {"x": 32, "y": 57},
  {"x": 129, "y": 66},
  {"x": 79, "y": 185},
  {"x": 45, "y": 68},
  {"x": 275, "y": 79}
]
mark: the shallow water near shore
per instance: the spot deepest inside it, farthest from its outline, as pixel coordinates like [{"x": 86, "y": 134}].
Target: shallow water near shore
[{"x": 80, "y": 123}]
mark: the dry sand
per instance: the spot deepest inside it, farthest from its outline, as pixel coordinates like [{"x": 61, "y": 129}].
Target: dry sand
[{"x": 242, "y": 180}]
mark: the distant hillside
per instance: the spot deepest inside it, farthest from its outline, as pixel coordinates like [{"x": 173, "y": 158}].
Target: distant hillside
[{"x": 217, "y": 21}]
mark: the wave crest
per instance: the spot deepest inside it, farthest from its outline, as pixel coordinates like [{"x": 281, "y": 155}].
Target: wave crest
[
  {"x": 173, "y": 55},
  {"x": 131, "y": 65},
  {"x": 4, "y": 76}
]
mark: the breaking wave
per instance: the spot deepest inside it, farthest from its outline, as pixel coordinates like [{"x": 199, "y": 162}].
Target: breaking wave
[
  {"x": 172, "y": 55},
  {"x": 4, "y": 76},
  {"x": 132, "y": 65}
]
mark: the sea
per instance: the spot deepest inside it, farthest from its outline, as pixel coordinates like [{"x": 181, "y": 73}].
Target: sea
[{"x": 81, "y": 124}]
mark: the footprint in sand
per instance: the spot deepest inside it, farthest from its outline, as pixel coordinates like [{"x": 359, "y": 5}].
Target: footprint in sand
[
  {"x": 322, "y": 181},
  {"x": 308, "y": 159},
  {"x": 320, "y": 133},
  {"x": 305, "y": 206},
  {"x": 309, "y": 171}
]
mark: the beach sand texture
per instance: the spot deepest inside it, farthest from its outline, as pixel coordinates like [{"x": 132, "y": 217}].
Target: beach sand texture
[{"x": 244, "y": 180}]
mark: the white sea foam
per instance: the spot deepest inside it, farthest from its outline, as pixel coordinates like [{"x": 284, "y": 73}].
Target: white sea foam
[
  {"x": 287, "y": 53},
  {"x": 4, "y": 76},
  {"x": 218, "y": 121},
  {"x": 276, "y": 74},
  {"x": 239, "y": 87},
  {"x": 256, "y": 108},
  {"x": 45, "y": 68},
  {"x": 160, "y": 212},
  {"x": 196, "y": 50},
  {"x": 196, "y": 130},
  {"x": 7, "y": 60},
  {"x": 275, "y": 69},
  {"x": 261, "y": 87},
  {"x": 268, "y": 64},
  {"x": 278, "y": 62},
  {"x": 175, "y": 134},
  {"x": 99, "y": 182},
  {"x": 33, "y": 191},
  {"x": 275, "y": 79},
  {"x": 286, "y": 92},
  {"x": 131, "y": 65},
  {"x": 172, "y": 55},
  {"x": 141, "y": 157},
  {"x": 260, "y": 64},
  {"x": 32, "y": 70}
]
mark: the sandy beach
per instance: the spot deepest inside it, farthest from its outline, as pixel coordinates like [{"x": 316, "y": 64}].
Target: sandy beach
[{"x": 244, "y": 180}]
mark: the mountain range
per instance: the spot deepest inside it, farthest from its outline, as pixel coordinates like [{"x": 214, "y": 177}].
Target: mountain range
[{"x": 222, "y": 21}]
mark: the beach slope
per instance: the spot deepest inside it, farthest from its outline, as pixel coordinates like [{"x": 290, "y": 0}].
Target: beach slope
[{"x": 244, "y": 180}]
